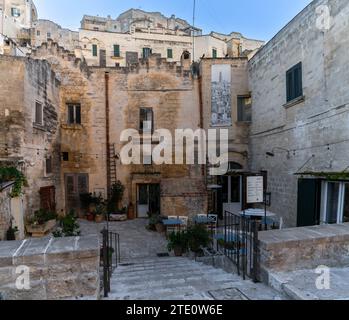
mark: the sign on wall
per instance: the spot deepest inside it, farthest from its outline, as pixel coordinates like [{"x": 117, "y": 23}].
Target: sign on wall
[
  {"x": 255, "y": 189},
  {"x": 221, "y": 108}
]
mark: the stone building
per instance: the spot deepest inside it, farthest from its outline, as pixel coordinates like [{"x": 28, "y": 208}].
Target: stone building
[
  {"x": 226, "y": 104},
  {"x": 16, "y": 18},
  {"x": 97, "y": 104},
  {"x": 29, "y": 128},
  {"x": 299, "y": 131}
]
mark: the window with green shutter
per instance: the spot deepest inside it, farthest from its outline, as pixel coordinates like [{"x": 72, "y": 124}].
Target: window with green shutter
[
  {"x": 294, "y": 85},
  {"x": 169, "y": 54},
  {"x": 116, "y": 50},
  {"x": 94, "y": 50},
  {"x": 214, "y": 53}
]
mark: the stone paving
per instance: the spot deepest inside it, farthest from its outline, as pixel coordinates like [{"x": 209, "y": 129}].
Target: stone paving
[
  {"x": 301, "y": 284},
  {"x": 143, "y": 275}
]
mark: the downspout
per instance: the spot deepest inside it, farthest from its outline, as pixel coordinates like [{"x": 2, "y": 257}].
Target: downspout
[
  {"x": 107, "y": 126},
  {"x": 201, "y": 114}
]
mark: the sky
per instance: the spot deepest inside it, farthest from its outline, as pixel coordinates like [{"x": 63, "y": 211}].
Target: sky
[{"x": 256, "y": 19}]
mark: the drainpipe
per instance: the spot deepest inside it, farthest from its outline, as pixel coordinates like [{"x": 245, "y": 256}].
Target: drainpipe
[{"x": 107, "y": 125}]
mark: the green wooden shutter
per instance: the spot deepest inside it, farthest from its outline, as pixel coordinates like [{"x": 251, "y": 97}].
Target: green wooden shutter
[
  {"x": 94, "y": 50},
  {"x": 169, "y": 53},
  {"x": 116, "y": 50},
  {"x": 214, "y": 53},
  {"x": 309, "y": 201}
]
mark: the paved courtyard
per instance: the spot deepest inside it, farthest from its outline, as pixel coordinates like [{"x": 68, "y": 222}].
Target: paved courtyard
[
  {"x": 136, "y": 242},
  {"x": 143, "y": 275}
]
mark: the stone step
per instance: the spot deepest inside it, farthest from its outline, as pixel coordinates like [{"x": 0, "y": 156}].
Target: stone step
[{"x": 160, "y": 274}]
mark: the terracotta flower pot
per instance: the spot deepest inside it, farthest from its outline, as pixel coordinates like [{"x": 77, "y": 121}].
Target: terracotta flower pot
[
  {"x": 99, "y": 218},
  {"x": 178, "y": 251},
  {"x": 160, "y": 228}
]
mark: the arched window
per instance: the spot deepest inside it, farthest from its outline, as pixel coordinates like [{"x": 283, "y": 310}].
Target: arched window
[
  {"x": 186, "y": 55},
  {"x": 235, "y": 166}
]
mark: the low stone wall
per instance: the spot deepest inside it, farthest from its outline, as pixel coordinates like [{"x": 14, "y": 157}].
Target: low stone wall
[
  {"x": 59, "y": 269},
  {"x": 303, "y": 248}
]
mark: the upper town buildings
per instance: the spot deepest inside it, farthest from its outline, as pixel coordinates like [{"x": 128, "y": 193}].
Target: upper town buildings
[{"x": 285, "y": 107}]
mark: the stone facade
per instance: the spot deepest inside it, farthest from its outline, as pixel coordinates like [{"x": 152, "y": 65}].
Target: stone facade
[
  {"x": 29, "y": 108},
  {"x": 303, "y": 248},
  {"x": 311, "y": 134},
  {"x": 59, "y": 269},
  {"x": 116, "y": 95},
  {"x": 5, "y": 210}
]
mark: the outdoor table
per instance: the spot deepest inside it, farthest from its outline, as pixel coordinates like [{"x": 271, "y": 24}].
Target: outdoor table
[
  {"x": 258, "y": 215},
  {"x": 173, "y": 222},
  {"x": 202, "y": 220}
]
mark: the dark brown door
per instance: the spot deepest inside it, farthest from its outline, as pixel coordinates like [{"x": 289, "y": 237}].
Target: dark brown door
[
  {"x": 75, "y": 184},
  {"x": 102, "y": 58}
]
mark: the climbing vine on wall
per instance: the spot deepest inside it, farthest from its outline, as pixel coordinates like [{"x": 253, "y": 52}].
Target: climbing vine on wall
[{"x": 13, "y": 174}]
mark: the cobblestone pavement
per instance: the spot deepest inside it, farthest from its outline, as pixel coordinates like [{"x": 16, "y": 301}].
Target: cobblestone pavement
[
  {"x": 143, "y": 275},
  {"x": 135, "y": 240}
]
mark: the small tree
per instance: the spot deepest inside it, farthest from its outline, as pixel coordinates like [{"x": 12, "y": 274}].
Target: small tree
[{"x": 117, "y": 193}]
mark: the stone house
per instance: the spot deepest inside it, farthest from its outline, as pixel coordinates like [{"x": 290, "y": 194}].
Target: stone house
[
  {"x": 29, "y": 128},
  {"x": 299, "y": 130},
  {"x": 97, "y": 104}
]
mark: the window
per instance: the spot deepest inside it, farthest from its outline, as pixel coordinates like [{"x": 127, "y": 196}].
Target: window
[
  {"x": 146, "y": 120},
  {"x": 294, "y": 86},
  {"x": 335, "y": 202},
  {"x": 74, "y": 114},
  {"x": 116, "y": 50},
  {"x": 48, "y": 165},
  {"x": 38, "y": 33},
  {"x": 94, "y": 50},
  {"x": 48, "y": 35},
  {"x": 38, "y": 113},
  {"x": 244, "y": 109},
  {"x": 147, "y": 52},
  {"x": 214, "y": 53},
  {"x": 15, "y": 12},
  {"x": 65, "y": 156},
  {"x": 169, "y": 54}
]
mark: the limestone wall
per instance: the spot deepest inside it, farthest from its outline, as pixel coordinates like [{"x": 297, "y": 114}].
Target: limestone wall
[
  {"x": 303, "y": 248},
  {"x": 5, "y": 212},
  {"x": 316, "y": 126},
  {"x": 59, "y": 269}
]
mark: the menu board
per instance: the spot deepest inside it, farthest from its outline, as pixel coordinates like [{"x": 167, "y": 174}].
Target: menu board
[{"x": 255, "y": 189}]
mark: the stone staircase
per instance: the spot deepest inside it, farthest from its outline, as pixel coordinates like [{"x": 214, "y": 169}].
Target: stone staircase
[{"x": 171, "y": 278}]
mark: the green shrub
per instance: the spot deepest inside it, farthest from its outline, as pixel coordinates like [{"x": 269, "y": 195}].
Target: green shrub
[
  {"x": 68, "y": 226},
  {"x": 198, "y": 238},
  {"x": 13, "y": 174},
  {"x": 178, "y": 240}
]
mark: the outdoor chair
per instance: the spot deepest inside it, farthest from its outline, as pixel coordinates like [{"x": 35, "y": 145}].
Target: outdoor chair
[
  {"x": 212, "y": 223},
  {"x": 184, "y": 220},
  {"x": 173, "y": 228}
]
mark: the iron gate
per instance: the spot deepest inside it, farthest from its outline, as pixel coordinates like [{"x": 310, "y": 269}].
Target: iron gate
[
  {"x": 238, "y": 240},
  {"x": 110, "y": 257}
]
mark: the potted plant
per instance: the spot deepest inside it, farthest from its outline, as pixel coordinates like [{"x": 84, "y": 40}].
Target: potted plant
[
  {"x": 68, "y": 226},
  {"x": 41, "y": 223},
  {"x": 12, "y": 233},
  {"x": 99, "y": 213},
  {"x": 117, "y": 193},
  {"x": 198, "y": 238},
  {"x": 178, "y": 242}
]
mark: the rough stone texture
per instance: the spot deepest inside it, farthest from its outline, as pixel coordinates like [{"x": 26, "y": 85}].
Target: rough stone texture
[
  {"x": 301, "y": 284},
  {"x": 65, "y": 268},
  {"x": 5, "y": 212},
  {"x": 303, "y": 248},
  {"x": 22, "y": 143},
  {"x": 310, "y": 126}
]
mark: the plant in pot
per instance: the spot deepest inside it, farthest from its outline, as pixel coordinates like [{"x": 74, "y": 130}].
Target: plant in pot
[
  {"x": 198, "y": 238},
  {"x": 117, "y": 193},
  {"x": 68, "y": 226},
  {"x": 178, "y": 242},
  {"x": 100, "y": 212},
  {"x": 11, "y": 234},
  {"x": 41, "y": 223}
]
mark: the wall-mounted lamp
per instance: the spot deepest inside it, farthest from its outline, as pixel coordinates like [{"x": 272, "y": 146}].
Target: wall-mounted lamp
[{"x": 272, "y": 153}]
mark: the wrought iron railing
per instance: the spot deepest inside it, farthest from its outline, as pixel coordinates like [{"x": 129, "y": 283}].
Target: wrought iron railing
[
  {"x": 237, "y": 239},
  {"x": 110, "y": 257}
]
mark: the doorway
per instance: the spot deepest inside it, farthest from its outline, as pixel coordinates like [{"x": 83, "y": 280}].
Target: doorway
[
  {"x": 148, "y": 200},
  {"x": 229, "y": 197},
  {"x": 75, "y": 184}
]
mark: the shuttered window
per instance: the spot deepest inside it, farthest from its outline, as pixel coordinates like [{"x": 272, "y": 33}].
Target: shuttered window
[
  {"x": 169, "y": 53},
  {"x": 214, "y": 53},
  {"x": 146, "y": 120},
  {"x": 116, "y": 50},
  {"x": 74, "y": 114},
  {"x": 94, "y": 50},
  {"x": 38, "y": 113},
  {"x": 294, "y": 83}
]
